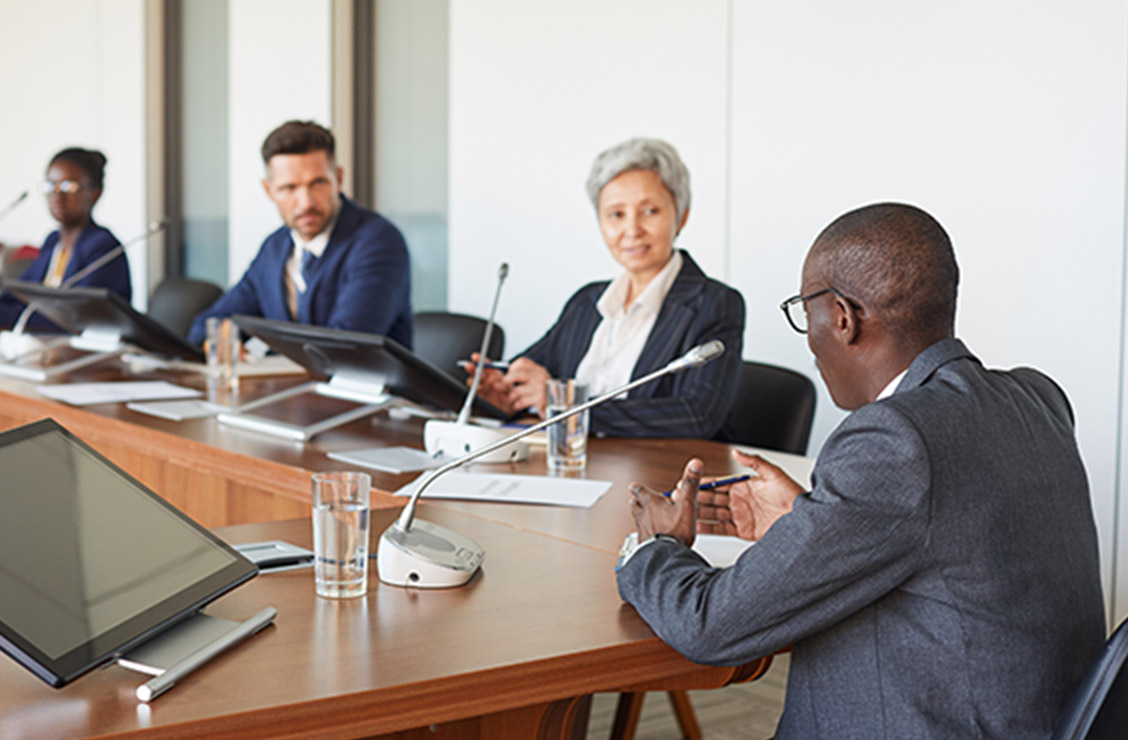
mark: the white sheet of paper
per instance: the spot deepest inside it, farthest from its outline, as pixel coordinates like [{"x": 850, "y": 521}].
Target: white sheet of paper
[
  {"x": 515, "y": 489},
  {"x": 193, "y": 408},
  {"x": 87, "y": 394},
  {"x": 389, "y": 459},
  {"x": 720, "y": 550}
]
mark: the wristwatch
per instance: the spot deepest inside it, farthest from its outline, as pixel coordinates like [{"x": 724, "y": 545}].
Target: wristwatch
[{"x": 631, "y": 545}]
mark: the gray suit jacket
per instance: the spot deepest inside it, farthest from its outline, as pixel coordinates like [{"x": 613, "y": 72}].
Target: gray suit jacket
[{"x": 940, "y": 580}]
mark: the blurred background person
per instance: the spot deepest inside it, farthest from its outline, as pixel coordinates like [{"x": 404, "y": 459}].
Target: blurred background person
[{"x": 73, "y": 186}]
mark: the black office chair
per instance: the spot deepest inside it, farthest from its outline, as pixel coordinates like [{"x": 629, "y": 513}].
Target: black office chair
[
  {"x": 774, "y": 408},
  {"x": 444, "y": 338},
  {"x": 1098, "y": 709},
  {"x": 176, "y": 301}
]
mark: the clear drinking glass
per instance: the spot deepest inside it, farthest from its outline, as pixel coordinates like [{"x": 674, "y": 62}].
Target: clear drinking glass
[
  {"x": 223, "y": 360},
  {"x": 567, "y": 440},
  {"x": 340, "y": 533}
]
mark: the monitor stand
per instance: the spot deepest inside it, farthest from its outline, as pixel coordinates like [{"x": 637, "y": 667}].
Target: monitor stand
[
  {"x": 63, "y": 355},
  {"x": 343, "y": 386},
  {"x": 188, "y": 645}
]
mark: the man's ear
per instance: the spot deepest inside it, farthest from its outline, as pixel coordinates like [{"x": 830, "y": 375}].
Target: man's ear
[
  {"x": 266, "y": 188},
  {"x": 846, "y": 320},
  {"x": 340, "y": 176}
]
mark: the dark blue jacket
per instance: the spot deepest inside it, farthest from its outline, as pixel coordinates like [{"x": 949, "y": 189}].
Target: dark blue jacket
[
  {"x": 362, "y": 282},
  {"x": 692, "y": 403},
  {"x": 93, "y": 242}
]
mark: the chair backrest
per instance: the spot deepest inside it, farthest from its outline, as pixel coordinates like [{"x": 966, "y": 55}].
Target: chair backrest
[
  {"x": 1098, "y": 708},
  {"x": 14, "y": 260},
  {"x": 176, "y": 301},
  {"x": 444, "y": 338},
  {"x": 773, "y": 409}
]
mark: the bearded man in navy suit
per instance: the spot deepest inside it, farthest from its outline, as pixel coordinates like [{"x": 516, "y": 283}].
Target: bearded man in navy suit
[
  {"x": 333, "y": 263},
  {"x": 940, "y": 578}
]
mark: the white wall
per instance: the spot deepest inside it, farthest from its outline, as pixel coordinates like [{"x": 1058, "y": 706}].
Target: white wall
[
  {"x": 1006, "y": 120},
  {"x": 280, "y": 69},
  {"x": 73, "y": 75},
  {"x": 536, "y": 91}
]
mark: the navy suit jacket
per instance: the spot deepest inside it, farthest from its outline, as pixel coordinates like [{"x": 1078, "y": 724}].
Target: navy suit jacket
[
  {"x": 941, "y": 579},
  {"x": 361, "y": 282},
  {"x": 92, "y": 243},
  {"x": 692, "y": 403}
]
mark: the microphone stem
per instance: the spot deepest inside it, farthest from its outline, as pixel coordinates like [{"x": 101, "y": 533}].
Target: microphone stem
[
  {"x": 464, "y": 414},
  {"x": 407, "y": 516}
]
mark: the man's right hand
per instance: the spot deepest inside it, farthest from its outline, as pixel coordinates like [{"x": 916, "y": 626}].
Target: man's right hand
[{"x": 747, "y": 509}]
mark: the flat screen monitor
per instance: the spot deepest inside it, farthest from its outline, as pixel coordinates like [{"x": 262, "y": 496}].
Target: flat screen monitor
[
  {"x": 368, "y": 357},
  {"x": 93, "y": 563},
  {"x": 78, "y": 309}
]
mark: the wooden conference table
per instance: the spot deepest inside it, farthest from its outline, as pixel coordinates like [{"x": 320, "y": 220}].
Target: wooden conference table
[{"x": 516, "y": 653}]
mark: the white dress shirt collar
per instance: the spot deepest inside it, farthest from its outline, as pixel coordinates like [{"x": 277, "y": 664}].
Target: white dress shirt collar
[
  {"x": 887, "y": 391},
  {"x": 619, "y": 338}
]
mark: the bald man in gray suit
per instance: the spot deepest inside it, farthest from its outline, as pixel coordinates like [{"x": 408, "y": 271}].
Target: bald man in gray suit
[{"x": 941, "y": 577}]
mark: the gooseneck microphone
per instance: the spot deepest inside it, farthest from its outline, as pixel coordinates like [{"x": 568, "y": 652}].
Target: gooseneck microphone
[
  {"x": 464, "y": 414},
  {"x": 154, "y": 228},
  {"x": 448, "y": 439},
  {"x": 419, "y": 553},
  {"x": 12, "y": 206}
]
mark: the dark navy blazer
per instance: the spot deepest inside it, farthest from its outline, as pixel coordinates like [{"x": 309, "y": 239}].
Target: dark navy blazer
[
  {"x": 692, "y": 403},
  {"x": 361, "y": 282},
  {"x": 92, "y": 243}
]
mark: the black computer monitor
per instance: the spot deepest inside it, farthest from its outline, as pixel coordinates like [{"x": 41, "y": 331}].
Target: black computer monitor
[
  {"x": 93, "y": 563},
  {"x": 368, "y": 358},
  {"x": 78, "y": 309}
]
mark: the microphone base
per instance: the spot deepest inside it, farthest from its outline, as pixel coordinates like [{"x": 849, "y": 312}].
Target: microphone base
[
  {"x": 450, "y": 440},
  {"x": 426, "y": 556},
  {"x": 13, "y": 345}
]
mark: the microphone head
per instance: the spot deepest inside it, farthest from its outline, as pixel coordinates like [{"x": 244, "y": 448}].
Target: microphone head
[
  {"x": 703, "y": 353},
  {"x": 698, "y": 356},
  {"x": 503, "y": 271}
]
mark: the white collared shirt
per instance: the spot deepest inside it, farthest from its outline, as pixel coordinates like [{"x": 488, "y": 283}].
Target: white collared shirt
[
  {"x": 295, "y": 283},
  {"x": 619, "y": 338},
  {"x": 887, "y": 391}
]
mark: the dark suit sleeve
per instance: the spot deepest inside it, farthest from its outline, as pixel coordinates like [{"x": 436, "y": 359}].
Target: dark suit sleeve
[
  {"x": 695, "y": 402},
  {"x": 243, "y": 298},
  {"x": 377, "y": 282},
  {"x": 854, "y": 538}
]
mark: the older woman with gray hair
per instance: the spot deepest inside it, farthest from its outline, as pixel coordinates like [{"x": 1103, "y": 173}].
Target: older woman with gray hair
[{"x": 658, "y": 308}]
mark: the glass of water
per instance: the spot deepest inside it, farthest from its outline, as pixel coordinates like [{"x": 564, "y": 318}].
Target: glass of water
[
  {"x": 567, "y": 440},
  {"x": 340, "y": 533}
]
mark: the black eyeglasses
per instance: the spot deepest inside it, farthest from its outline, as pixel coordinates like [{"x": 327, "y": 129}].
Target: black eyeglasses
[{"x": 796, "y": 312}]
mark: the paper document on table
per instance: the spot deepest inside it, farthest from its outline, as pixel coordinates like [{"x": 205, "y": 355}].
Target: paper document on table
[
  {"x": 516, "y": 489},
  {"x": 393, "y": 460},
  {"x": 87, "y": 394},
  {"x": 193, "y": 408},
  {"x": 250, "y": 367},
  {"x": 720, "y": 550}
]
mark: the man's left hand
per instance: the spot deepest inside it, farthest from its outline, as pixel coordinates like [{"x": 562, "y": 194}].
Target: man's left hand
[{"x": 675, "y": 516}]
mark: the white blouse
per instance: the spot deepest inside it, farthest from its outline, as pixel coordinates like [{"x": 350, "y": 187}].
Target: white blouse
[{"x": 619, "y": 338}]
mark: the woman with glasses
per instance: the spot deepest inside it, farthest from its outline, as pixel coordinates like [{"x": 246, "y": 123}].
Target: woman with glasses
[
  {"x": 72, "y": 188},
  {"x": 659, "y": 307}
]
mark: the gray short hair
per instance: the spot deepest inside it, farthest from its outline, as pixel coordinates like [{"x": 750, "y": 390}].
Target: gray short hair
[{"x": 654, "y": 155}]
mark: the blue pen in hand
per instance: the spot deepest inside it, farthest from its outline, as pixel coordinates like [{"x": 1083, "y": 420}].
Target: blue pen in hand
[{"x": 714, "y": 484}]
